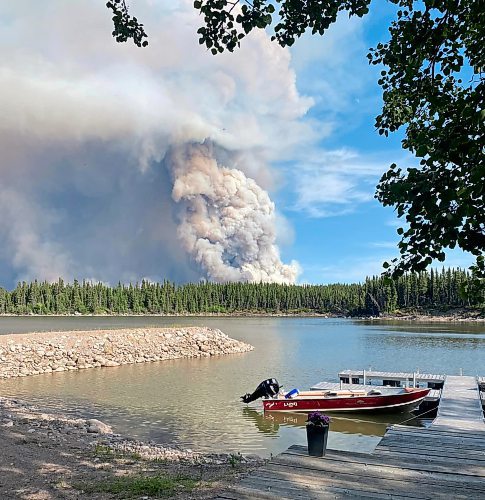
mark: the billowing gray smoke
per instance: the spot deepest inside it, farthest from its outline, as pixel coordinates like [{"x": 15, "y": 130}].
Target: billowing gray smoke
[
  {"x": 88, "y": 125},
  {"x": 228, "y": 222}
]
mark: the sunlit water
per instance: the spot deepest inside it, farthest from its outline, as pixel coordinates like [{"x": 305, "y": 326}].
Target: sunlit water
[{"x": 195, "y": 403}]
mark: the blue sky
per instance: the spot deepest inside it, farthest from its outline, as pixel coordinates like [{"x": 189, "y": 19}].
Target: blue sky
[
  {"x": 342, "y": 232},
  {"x": 120, "y": 163}
]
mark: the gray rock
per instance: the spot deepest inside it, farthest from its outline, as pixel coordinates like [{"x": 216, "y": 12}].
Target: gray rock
[
  {"x": 109, "y": 362},
  {"x": 98, "y": 427}
]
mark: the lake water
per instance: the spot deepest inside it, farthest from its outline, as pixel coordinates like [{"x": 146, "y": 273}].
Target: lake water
[{"x": 195, "y": 403}]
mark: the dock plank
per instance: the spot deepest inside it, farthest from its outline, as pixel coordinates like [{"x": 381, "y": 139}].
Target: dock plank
[
  {"x": 436, "y": 456},
  {"x": 349, "y": 481},
  {"x": 423, "y": 444},
  {"x": 376, "y": 470},
  {"x": 299, "y": 476},
  {"x": 437, "y": 438},
  {"x": 437, "y": 431},
  {"x": 460, "y": 402},
  {"x": 265, "y": 489},
  {"x": 413, "y": 463}
]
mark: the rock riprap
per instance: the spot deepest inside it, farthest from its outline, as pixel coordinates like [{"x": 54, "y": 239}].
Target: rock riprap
[{"x": 46, "y": 352}]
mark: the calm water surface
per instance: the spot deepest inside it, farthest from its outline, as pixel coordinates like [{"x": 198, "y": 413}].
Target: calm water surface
[{"x": 195, "y": 403}]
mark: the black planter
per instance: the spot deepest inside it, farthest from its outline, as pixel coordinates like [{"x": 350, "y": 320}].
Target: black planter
[{"x": 317, "y": 439}]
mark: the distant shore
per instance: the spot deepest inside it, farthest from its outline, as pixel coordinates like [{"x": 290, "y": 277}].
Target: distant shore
[
  {"x": 434, "y": 317},
  {"x": 458, "y": 315}
]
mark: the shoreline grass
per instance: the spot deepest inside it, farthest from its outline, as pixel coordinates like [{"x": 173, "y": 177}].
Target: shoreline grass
[{"x": 131, "y": 486}]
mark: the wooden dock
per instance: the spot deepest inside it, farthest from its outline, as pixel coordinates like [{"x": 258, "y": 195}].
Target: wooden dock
[
  {"x": 460, "y": 405},
  {"x": 446, "y": 460}
]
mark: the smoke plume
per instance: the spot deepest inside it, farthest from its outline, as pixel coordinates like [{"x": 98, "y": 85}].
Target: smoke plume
[
  {"x": 114, "y": 160},
  {"x": 228, "y": 221}
]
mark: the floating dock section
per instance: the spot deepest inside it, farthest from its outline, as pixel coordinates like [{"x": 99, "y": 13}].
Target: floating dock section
[
  {"x": 446, "y": 460},
  {"x": 393, "y": 379}
]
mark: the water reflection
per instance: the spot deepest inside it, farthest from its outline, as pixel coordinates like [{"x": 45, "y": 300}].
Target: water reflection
[
  {"x": 195, "y": 402},
  {"x": 449, "y": 341},
  {"x": 427, "y": 327},
  {"x": 269, "y": 422}
]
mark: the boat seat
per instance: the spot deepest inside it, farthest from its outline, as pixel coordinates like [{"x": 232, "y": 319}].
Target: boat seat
[{"x": 346, "y": 393}]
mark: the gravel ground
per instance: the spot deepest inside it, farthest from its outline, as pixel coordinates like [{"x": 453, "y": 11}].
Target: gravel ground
[{"x": 47, "y": 456}]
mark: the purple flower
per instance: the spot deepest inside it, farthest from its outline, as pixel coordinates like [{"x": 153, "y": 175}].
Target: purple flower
[{"x": 317, "y": 418}]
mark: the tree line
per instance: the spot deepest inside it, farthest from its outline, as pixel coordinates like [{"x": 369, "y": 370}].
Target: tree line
[{"x": 377, "y": 295}]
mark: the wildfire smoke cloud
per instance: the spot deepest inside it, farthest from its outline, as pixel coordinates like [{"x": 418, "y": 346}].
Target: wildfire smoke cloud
[{"x": 227, "y": 221}]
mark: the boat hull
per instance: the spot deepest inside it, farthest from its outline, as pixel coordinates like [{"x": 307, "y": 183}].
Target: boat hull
[{"x": 384, "y": 402}]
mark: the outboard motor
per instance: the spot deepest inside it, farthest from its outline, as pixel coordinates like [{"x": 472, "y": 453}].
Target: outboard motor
[{"x": 266, "y": 389}]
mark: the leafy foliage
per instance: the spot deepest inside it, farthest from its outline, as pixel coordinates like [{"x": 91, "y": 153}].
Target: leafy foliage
[
  {"x": 377, "y": 295},
  {"x": 434, "y": 87},
  {"x": 228, "y": 22},
  {"x": 126, "y": 26}
]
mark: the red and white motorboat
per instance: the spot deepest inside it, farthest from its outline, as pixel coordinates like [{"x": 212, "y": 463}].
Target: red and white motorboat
[
  {"x": 382, "y": 399},
  {"x": 392, "y": 399}
]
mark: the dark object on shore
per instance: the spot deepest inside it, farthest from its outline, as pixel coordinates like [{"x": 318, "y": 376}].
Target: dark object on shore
[
  {"x": 266, "y": 389},
  {"x": 317, "y": 436},
  {"x": 317, "y": 425}
]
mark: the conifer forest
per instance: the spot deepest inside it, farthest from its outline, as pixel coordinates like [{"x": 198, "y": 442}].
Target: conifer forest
[{"x": 377, "y": 295}]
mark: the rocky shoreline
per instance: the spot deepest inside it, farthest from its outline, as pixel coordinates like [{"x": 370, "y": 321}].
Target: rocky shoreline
[
  {"x": 437, "y": 317},
  {"x": 47, "y": 456},
  {"x": 46, "y": 352}
]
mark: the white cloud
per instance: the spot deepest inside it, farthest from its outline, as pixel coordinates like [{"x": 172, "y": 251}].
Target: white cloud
[
  {"x": 347, "y": 270},
  {"x": 383, "y": 244},
  {"x": 334, "y": 69},
  {"x": 330, "y": 183}
]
